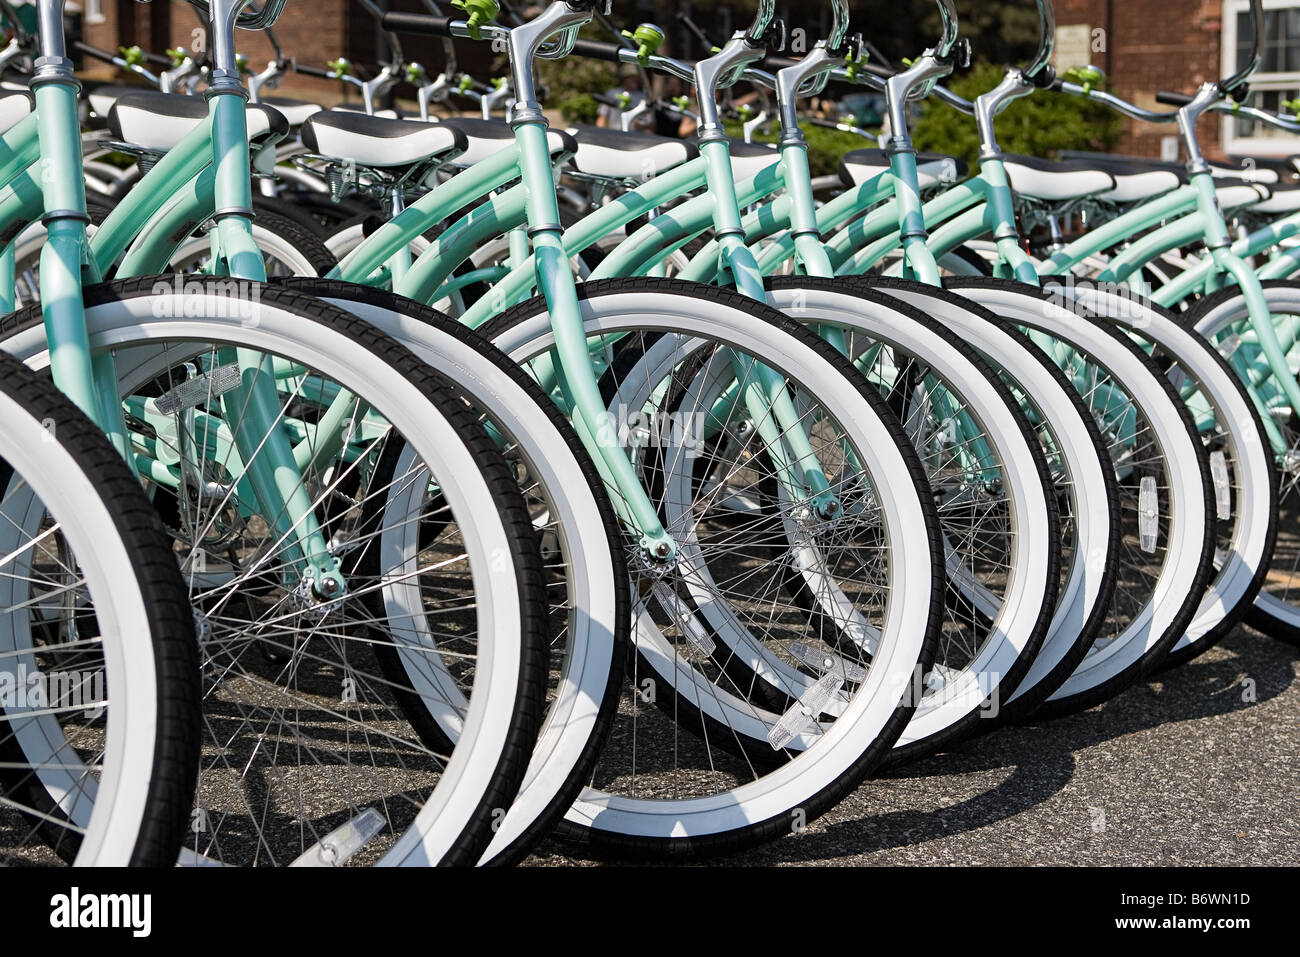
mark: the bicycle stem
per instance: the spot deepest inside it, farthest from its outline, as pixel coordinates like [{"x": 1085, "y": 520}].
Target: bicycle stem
[{"x": 271, "y": 74}]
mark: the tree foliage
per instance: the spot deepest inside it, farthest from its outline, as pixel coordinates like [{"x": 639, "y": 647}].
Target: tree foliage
[
  {"x": 1001, "y": 32},
  {"x": 825, "y": 146},
  {"x": 1041, "y": 124}
]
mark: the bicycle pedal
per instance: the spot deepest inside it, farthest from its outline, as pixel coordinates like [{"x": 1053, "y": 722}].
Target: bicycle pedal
[
  {"x": 828, "y": 661},
  {"x": 939, "y": 677},
  {"x": 685, "y": 616},
  {"x": 342, "y": 843},
  {"x": 1222, "y": 491}
]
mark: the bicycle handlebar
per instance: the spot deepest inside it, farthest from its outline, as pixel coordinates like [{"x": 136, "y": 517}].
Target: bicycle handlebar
[
  {"x": 598, "y": 50},
  {"x": 1179, "y": 100},
  {"x": 95, "y": 52},
  {"x": 1168, "y": 98},
  {"x": 839, "y": 25},
  {"x": 1230, "y": 84},
  {"x": 1290, "y": 124},
  {"x": 759, "y": 30},
  {"x": 956, "y": 102},
  {"x": 109, "y": 57},
  {"x": 1040, "y": 65},
  {"x": 1115, "y": 102},
  {"x": 948, "y": 15},
  {"x": 307, "y": 70},
  {"x": 423, "y": 24},
  {"x": 839, "y": 125},
  {"x": 428, "y": 25},
  {"x": 257, "y": 19}
]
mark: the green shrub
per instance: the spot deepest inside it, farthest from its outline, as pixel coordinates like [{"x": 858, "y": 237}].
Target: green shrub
[
  {"x": 570, "y": 83},
  {"x": 1041, "y": 124},
  {"x": 581, "y": 108},
  {"x": 825, "y": 146}
]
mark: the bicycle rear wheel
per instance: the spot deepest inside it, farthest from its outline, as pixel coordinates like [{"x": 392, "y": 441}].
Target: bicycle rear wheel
[
  {"x": 999, "y": 518},
  {"x": 1083, "y": 479},
  {"x": 1223, "y": 319}
]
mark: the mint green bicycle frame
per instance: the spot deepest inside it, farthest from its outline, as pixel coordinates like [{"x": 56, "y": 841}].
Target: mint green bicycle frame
[
  {"x": 570, "y": 370},
  {"x": 876, "y": 217},
  {"x": 41, "y": 178},
  {"x": 1201, "y": 219},
  {"x": 730, "y": 258}
]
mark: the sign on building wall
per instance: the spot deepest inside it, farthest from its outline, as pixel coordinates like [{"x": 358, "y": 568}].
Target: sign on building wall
[{"x": 1073, "y": 47}]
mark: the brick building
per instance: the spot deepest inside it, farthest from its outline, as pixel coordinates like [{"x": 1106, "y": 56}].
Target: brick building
[
  {"x": 1150, "y": 45},
  {"x": 312, "y": 31},
  {"x": 315, "y": 31}
]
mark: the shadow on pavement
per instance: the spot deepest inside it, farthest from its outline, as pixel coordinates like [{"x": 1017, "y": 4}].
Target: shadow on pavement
[{"x": 1041, "y": 756}]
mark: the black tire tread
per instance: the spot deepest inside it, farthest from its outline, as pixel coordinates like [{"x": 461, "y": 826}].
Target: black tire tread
[{"x": 166, "y": 603}]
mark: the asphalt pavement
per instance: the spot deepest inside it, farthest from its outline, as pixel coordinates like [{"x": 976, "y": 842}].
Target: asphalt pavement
[{"x": 1199, "y": 765}]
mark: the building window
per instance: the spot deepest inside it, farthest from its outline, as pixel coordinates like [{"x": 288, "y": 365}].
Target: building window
[{"x": 1276, "y": 80}]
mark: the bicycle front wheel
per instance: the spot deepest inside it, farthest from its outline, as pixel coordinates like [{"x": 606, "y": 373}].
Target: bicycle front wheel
[
  {"x": 1166, "y": 497},
  {"x": 99, "y": 693},
  {"x": 1082, "y": 478},
  {"x": 1242, "y": 470},
  {"x": 999, "y": 518},
  {"x": 310, "y": 750},
  {"x": 1224, "y": 320},
  {"x": 701, "y": 758},
  {"x": 587, "y": 583}
]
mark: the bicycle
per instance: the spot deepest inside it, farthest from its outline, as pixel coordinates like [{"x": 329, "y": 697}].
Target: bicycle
[
  {"x": 693, "y": 630},
  {"x": 271, "y": 497}
]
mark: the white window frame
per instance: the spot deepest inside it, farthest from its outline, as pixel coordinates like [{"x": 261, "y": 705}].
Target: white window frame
[{"x": 1281, "y": 144}]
